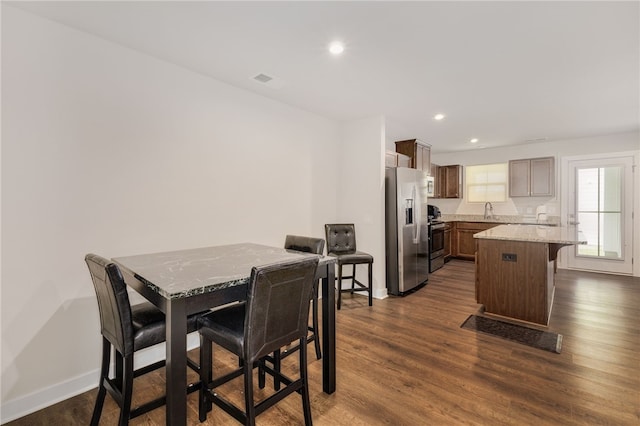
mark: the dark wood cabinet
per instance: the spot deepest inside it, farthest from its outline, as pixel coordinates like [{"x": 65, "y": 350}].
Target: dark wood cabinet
[
  {"x": 437, "y": 187},
  {"x": 447, "y": 181},
  {"x": 447, "y": 241},
  {"x": 521, "y": 289},
  {"x": 532, "y": 177},
  {"x": 453, "y": 182},
  {"x": 465, "y": 244},
  {"x": 419, "y": 152}
]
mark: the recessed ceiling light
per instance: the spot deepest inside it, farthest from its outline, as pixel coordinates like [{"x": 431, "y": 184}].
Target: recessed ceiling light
[
  {"x": 474, "y": 140},
  {"x": 438, "y": 117},
  {"x": 336, "y": 48}
]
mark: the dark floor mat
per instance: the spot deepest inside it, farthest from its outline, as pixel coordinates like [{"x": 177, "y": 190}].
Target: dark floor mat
[{"x": 539, "y": 339}]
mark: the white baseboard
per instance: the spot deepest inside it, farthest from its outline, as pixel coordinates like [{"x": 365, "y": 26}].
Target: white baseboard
[
  {"x": 27, "y": 404},
  {"x": 21, "y": 406}
]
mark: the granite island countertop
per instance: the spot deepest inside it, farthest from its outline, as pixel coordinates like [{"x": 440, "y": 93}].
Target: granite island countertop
[
  {"x": 504, "y": 219},
  {"x": 535, "y": 234}
]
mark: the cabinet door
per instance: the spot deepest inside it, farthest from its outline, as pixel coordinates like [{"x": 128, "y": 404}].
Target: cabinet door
[
  {"x": 436, "y": 180},
  {"x": 453, "y": 184},
  {"x": 442, "y": 181},
  {"x": 433, "y": 171},
  {"x": 542, "y": 177},
  {"x": 447, "y": 241},
  {"x": 417, "y": 164},
  {"x": 519, "y": 179},
  {"x": 426, "y": 159},
  {"x": 466, "y": 244}
]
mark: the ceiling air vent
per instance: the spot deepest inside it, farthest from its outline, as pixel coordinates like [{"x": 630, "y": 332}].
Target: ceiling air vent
[
  {"x": 268, "y": 81},
  {"x": 262, "y": 78}
]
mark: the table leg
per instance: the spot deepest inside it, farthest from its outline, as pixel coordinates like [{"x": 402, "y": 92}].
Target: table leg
[
  {"x": 176, "y": 368},
  {"x": 329, "y": 330}
]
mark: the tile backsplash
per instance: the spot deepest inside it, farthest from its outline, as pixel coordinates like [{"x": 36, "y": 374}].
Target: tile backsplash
[{"x": 525, "y": 206}]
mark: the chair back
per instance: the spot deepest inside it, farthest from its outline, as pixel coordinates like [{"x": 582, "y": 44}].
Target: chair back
[
  {"x": 305, "y": 244},
  {"x": 113, "y": 303},
  {"x": 277, "y": 310},
  {"x": 341, "y": 238}
]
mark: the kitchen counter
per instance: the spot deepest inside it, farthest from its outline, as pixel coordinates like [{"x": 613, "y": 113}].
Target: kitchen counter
[
  {"x": 504, "y": 219},
  {"x": 541, "y": 234},
  {"x": 515, "y": 269}
]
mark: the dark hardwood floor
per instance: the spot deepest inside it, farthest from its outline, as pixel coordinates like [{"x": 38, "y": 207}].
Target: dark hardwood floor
[{"x": 406, "y": 361}]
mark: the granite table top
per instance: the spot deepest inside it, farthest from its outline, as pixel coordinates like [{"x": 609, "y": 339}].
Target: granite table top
[
  {"x": 531, "y": 233},
  {"x": 189, "y": 272}
]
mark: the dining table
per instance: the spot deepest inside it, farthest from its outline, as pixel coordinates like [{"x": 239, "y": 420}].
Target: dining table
[{"x": 188, "y": 281}]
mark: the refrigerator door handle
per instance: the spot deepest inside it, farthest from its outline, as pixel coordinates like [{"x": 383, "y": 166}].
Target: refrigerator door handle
[{"x": 416, "y": 213}]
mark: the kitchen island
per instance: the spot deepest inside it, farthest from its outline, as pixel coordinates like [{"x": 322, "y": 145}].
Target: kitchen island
[{"x": 515, "y": 269}]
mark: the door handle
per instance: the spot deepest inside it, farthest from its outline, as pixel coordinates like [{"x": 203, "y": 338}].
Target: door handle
[{"x": 574, "y": 223}]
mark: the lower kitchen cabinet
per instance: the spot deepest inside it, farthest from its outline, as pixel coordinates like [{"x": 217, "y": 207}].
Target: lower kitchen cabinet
[
  {"x": 447, "y": 241},
  {"x": 464, "y": 243}
]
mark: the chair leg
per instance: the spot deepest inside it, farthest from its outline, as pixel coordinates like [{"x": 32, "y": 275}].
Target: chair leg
[
  {"x": 250, "y": 409},
  {"x": 127, "y": 390},
  {"x": 306, "y": 403},
  {"x": 339, "y": 286},
  {"x": 118, "y": 378},
  {"x": 353, "y": 278},
  {"x": 204, "y": 405},
  {"x": 104, "y": 373},
  {"x": 261, "y": 373},
  {"x": 370, "y": 284},
  {"x": 314, "y": 320},
  {"x": 277, "y": 365}
]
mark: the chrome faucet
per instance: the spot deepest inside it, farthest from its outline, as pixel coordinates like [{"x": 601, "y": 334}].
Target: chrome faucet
[{"x": 488, "y": 210}]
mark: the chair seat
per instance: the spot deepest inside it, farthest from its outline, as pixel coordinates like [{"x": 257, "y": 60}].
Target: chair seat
[
  {"x": 225, "y": 327},
  {"x": 149, "y": 327},
  {"x": 353, "y": 258}
]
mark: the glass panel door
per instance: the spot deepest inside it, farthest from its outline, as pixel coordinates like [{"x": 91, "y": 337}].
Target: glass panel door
[
  {"x": 600, "y": 207},
  {"x": 599, "y": 212}
]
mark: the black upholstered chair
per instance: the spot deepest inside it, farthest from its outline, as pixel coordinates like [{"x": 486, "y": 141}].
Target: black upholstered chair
[
  {"x": 275, "y": 314},
  {"x": 315, "y": 246},
  {"x": 341, "y": 243},
  {"x": 127, "y": 329}
]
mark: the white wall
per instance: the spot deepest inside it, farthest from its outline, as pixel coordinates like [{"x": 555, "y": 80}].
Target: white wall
[
  {"x": 361, "y": 197},
  {"x": 110, "y": 151}
]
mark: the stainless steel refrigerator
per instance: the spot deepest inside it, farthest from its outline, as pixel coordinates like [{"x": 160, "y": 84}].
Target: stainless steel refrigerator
[{"x": 407, "y": 238}]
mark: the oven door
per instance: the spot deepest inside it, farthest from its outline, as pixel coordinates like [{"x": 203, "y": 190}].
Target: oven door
[{"x": 436, "y": 240}]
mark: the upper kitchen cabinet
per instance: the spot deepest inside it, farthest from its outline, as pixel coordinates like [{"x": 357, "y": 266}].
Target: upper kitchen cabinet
[
  {"x": 437, "y": 188},
  {"x": 452, "y": 185},
  {"x": 532, "y": 177},
  {"x": 448, "y": 181},
  {"x": 419, "y": 152}
]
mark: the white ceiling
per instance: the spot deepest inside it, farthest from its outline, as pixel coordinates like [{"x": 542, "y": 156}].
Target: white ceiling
[{"x": 503, "y": 72}]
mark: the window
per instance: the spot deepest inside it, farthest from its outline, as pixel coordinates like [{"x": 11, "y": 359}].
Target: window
[{"x": 487, "y": 182}]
